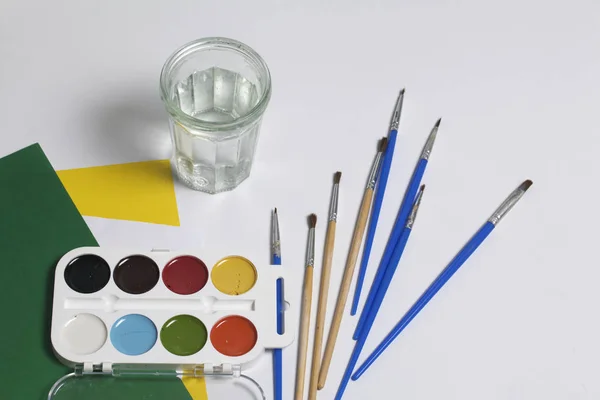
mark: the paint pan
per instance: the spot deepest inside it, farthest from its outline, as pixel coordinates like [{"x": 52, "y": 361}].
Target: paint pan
[
  {"x": 158, "y": 311},
  {"x": 183, "y": 335},
  {"x": 84, "y": 334},
  {"x": 234, "y": 275},
  {"x": 133, "y": 334},
  {"x": 185, "y": 275},
  {"x": 136, "y": 274},
  {"x": 87, "y": 273},
  {"x": 233, "y": 336}
]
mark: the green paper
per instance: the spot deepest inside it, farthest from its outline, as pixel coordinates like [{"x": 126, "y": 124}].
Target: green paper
[{"x": 38, "y": 224}]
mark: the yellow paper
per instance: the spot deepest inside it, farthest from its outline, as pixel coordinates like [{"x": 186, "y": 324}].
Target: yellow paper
[
  {"x": 139, "y": 191},
  {"x": 196, "y": 387}
]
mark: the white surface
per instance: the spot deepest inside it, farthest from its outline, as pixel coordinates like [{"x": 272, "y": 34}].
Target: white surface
[
  {"x": 516, "y": 83},
  {"x": 262, "y": 293}
]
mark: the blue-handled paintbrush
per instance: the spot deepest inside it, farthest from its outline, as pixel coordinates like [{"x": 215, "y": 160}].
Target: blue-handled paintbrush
[
  {"x": 381, "y": 293},
  {"x": 378, "y": 200},
  {"x": 446, "y": 274},
  {"x": 405, "y": 208},
  {"x": 277, "y": 353}
]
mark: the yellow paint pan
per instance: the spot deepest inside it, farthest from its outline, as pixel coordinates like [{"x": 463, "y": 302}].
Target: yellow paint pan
[{"x": 234, "y": 275}]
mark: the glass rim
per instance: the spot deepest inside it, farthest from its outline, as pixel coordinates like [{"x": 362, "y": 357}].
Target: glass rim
[{"x": 225, "y": 44}]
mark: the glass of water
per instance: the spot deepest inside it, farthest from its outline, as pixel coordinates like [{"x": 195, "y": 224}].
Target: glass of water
[{"x": 216, "y": 91}]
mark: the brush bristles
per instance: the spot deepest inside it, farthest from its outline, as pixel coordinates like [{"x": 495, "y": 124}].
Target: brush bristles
[
  {"x": 337, "y": 176},
  {"x": 383, "y": 145},
  {"x": 437, "y": 124},
  {"x": 275, "y": 210},
  {"x": 526, "y": 185},
  {"x": 312, "y": 220}
]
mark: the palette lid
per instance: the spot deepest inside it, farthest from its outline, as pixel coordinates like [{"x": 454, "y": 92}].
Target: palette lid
[{"x": 140, "y": 382}]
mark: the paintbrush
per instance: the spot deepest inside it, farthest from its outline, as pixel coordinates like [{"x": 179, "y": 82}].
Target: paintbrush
[
  {"x": 277, "y": 353},
  {"x": 306, "y": 305},
  {"x": 357, "y": 237},
  {"x": 386, "y": 165},
  {"x": 399, "y": 224},
  {"x": 324, "y": 287},
  {"x": 360, "y": 343},
  {"x": 446, "y": 274}
]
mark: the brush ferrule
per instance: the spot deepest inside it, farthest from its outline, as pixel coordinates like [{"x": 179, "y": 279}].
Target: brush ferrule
[
  {"x": 276, "y": 248},
  {"x": 410, "y": 221},
  {"x": 395, "y": 122},
  {"x": 310, "y": 250},
  {"x": 429, "y": 144},
  {"x": 506, "y": 206},
  {"x": 275, "y": 230},
  {"x": 275, "y": 240},
  {"x": 372, "y": 180},
  {"x": 333, "y": 204}
]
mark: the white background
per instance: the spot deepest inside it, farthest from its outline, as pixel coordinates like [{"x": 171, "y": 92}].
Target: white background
[{"x": 516, "y": 83}]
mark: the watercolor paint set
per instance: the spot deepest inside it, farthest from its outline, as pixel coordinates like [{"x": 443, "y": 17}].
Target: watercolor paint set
[{"x": 121, "y": 312}]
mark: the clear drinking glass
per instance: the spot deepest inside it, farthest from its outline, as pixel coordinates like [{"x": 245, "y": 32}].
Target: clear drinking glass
[{"x": 216, "y": 91}]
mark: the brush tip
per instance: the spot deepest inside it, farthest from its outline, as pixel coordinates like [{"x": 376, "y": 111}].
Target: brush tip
[
  {"x": 383, "y": 144},
  {"x": 422, "y": 187},
  {"x": 337, "y": 176},
  {"x": 312, "y": 220},
  {"x": 438, "y": 122},
  {"x": 275, "y": 210},
  {"x": 526, "y": 185},
  {"x": 402, "y": 91}
]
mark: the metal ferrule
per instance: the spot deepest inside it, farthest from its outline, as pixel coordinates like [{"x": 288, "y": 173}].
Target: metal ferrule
[
  {"x": 310, "y": 251},
  {"x": 276, "y": 248},
  {"x": 413, "y": 213},
  {"x": 397, "y": 112},
  {"x": 275, "y": 244},
  {"x": 429, "y": 144},
  {"x": 374, "y": 170},
  {"x": 505, "y": 207},
  {"x": 333, "y": 205}
]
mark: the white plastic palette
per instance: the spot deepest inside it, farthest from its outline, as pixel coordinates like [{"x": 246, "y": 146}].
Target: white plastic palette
[{"x": 85, "y": 310}]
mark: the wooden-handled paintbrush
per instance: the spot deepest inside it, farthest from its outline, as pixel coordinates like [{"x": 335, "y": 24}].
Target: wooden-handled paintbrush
[
  {"x": 324, "y": 288},
  {"x": 355, "y": 245},
  {"x": 306, "y": 305}
]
